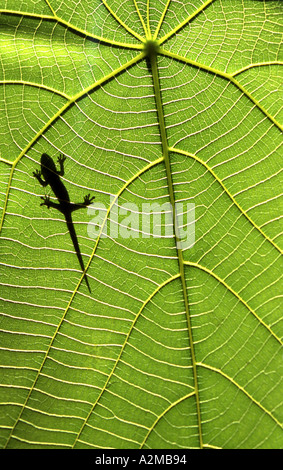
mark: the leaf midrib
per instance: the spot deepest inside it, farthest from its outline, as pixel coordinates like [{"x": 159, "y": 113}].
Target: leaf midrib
[{"x": 165, "y": 150}]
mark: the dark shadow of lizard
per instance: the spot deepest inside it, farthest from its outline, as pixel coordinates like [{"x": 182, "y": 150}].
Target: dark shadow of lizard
[{"x": 52, "y": 178}]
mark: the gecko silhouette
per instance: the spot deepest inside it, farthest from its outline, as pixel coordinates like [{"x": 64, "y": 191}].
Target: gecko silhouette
[{"x": 52, "y": 178}]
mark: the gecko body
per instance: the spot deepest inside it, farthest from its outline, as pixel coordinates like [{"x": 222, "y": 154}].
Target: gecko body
[{"x": 52, "y": 178}]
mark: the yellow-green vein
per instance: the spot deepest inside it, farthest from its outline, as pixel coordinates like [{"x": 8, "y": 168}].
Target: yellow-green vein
[
  {"x": 52, "y": 10},
  {"x": 69, "y": 103},
  {"x": 140, "y": 17},
  {"x": 77, "y": 29},
  {"x": 36, "y": 85},
  {"x": 186, "y": 21},
  {"x": 114, "y": 200},
  {"x": 172, "y": 405},
  {"x": 221, "y": 281},
  {"x": 214, "y": 369},
  {"x": 161, "y": 20},
  {"x": 226, "y": 76},
  {"x": 121, "y": 22},
  {"x": 188, "y": 154},
  {"x": 123, "y": 347},
  {"x": 70, "y": 302},
  {"x": 257, "y": 64}
]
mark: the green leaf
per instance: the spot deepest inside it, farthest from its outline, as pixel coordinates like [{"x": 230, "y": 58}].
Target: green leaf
[{"x": 177, "y": 345}]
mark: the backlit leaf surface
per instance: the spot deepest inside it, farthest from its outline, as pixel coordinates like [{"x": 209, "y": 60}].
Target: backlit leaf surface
[{"x": 151, "y": 102}]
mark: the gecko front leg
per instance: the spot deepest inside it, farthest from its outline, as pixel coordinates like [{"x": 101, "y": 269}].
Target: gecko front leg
[
  {"x": 61, "y": 159},
  {"x": 38, "y": 175},
  {"x": 87, "y": 201}
]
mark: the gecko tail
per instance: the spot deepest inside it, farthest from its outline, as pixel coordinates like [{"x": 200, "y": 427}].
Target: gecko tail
[
  {"x": 73, "y": 235},
  {"x": 85, "y": 278}
]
